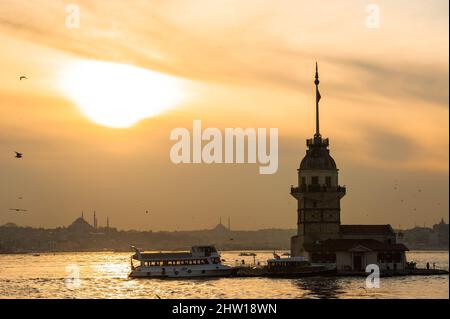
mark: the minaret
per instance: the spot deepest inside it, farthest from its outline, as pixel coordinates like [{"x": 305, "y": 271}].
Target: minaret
[
  {"x": 95, "y": 221},
  {"x": 318, "y": 193},
  {"x": 107, "y": 222}
]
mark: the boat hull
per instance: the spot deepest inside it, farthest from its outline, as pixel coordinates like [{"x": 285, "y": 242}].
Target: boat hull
[
  {"x": 300, "y": 274},
  {"x": 141, "y": 272}
]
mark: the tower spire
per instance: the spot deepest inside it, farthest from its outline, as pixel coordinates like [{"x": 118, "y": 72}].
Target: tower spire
[{"x": 316, "y": 82}]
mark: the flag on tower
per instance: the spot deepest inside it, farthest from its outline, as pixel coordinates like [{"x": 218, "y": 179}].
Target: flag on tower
[{"x": 318, "y": 95}]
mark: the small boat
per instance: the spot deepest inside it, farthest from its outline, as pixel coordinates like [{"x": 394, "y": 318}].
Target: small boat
[
  {"x": 295, "y": 267},
  {"x": 201, "y": 261},
  {"x": 247, "y": 254}
]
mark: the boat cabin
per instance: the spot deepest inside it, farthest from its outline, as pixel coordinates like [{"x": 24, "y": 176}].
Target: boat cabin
[{"x": 200, "y": 261}]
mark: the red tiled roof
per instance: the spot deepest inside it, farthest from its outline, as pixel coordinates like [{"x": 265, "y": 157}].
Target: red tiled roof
[
  {"x": 367, "y": 230},
  {"x": 348, "y": 244}
]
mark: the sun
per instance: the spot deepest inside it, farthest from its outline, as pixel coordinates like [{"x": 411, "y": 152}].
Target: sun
[{"x": 118, "y": 95}]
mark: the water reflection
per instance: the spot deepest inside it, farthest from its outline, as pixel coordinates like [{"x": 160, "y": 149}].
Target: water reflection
[
  {"x": 105, "y": 275},
  {"x": 319, "y": 287}
]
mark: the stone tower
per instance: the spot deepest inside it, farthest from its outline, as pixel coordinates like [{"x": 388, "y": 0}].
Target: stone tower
[{"x": 318, "y": 193}]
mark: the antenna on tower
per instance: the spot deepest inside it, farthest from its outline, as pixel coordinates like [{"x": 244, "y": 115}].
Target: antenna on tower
[{"x": 316, "y": 82}]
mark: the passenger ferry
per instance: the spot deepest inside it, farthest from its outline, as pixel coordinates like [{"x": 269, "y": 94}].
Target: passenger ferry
[{"x": 201, "y": 261}]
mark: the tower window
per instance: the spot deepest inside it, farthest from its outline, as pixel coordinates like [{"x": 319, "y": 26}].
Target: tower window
[
  {"x": 328, "y": 180},
  {"x": 303, "y": 181},
  {"x": 315, "y": 180}
]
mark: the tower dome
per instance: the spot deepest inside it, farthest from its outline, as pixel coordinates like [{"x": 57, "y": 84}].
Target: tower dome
[{"x": 317, "y": 156}]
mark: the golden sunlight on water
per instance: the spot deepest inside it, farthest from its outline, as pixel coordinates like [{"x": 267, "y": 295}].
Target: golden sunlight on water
[
  {"x": 118, "y": 95},
  {"x": 105, "y": 275}
]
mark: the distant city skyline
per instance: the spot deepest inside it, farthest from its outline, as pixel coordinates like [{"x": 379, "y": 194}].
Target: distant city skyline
[{"x": 107, "y": 224}]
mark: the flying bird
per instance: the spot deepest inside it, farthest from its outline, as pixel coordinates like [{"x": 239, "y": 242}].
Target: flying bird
[
  {"x": 18, "y": 155},
  {"x": 23, "y": 77},
  {"x": 18, "y": 210}
]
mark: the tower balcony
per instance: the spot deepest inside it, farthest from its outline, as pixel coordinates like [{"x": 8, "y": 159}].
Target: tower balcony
[
  {"x": 295, "y": 191},
  {"x": 317, "y": 141}
]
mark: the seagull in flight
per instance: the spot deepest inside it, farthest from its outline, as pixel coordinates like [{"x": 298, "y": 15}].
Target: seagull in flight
[
  {"x": 18, "y": 210},
  {"x": 23, "y": 77},
  {"x": 18, "y": 155}
]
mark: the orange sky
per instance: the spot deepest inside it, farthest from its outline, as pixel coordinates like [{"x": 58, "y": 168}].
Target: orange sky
[{"x": 240, "y": 64}]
